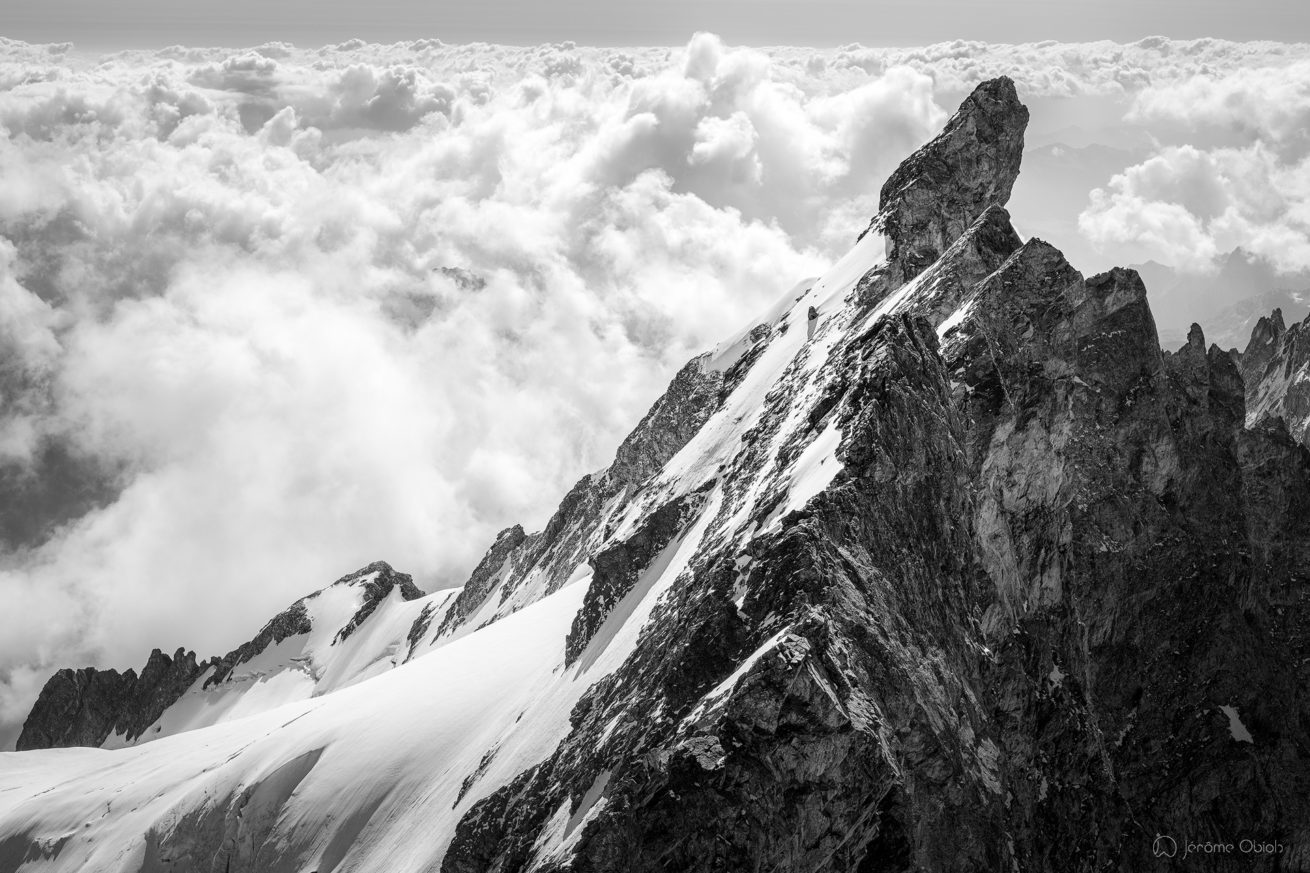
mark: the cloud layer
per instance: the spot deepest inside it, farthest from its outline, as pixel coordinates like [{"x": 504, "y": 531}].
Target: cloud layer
[
  {"x": 1232, "y": 170},
  {"x": 270, "y": 314}
]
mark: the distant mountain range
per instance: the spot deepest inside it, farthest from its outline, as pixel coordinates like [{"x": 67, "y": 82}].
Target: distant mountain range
[{"x": 1228, "y": 302}]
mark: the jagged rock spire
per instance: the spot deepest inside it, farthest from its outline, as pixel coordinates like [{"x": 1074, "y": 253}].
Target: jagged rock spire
[
  {"x": 1269, "y": 329},
  {"x": 936, "y": 193},
  {"x": 1276, "y": 371}
]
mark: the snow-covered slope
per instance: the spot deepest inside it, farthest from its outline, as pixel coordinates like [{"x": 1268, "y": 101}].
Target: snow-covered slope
[
  {"x": 304, "y": 780},
  {"x": 360, "y": 625},
  {"x": 321, "y": 660}
]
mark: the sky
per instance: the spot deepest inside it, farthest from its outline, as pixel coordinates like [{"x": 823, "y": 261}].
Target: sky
[
  {"x": 158, "y": 23},
  {"x": 270, "y": 313}
]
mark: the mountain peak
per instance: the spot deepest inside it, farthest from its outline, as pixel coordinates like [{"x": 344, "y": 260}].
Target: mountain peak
[
  {"x": 936, "y": 193},
  {"x": 917, "y": 572},
  {"x": 1276, "y": 370}
]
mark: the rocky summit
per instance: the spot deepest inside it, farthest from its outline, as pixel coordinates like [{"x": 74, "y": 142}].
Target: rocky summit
[
  {"x": 90, "y": 707},
  {"x": 940, "y": 565},
  {"x": 1276, "y": 374}
]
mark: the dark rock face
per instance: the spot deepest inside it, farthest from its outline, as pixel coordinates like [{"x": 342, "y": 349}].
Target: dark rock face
[
  {"x": 1276, "y": 370},
  {"x": 671, "y": 422},
  {"x": 1007, "y": 636},
  {"x": 378, "y": 580},
  {"x": 616, "y": 567},
  {"x": 484, "y": 577},
  {"x": 290, "y": 622},
  {"x": 84, "y": 707},
  {"x": 1122, "y": 563},
  {"x": 938, "y": 192},
  {"x": 544, "y": 561},
  {"x": 1265, "y": 344},
  {"x": 76, "y": 708}
]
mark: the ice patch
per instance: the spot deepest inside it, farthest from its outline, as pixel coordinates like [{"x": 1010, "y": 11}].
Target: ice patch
[
  {"x": 1236, "y": 729},
  {"x": 955, "y": 319},
  {"x": 588, "y": 802}
]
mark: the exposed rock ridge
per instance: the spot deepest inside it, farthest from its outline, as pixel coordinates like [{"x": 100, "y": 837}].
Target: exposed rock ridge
[
  {"x": 378, "y": 580},
  {"x": 1276, "y": 370},
  {"x": 932, "y": 197},
  {"x": 805, "y": 728},
  {"x": 671, "y": 422},
  {"x": 616, "y": 567},
  {"x": 86, "y": 707},
  {"x": 484, "y": 576},
  {"x": 540, "y": 563}
]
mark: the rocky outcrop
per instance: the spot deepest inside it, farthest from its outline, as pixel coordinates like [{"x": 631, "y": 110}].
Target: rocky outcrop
[
  {"x": 484, "y": 577},
  {"x": 378, "y": 580},
  {"x": 671, "y": 422},
  {"x": 932, "y": 197},
  {"x": 290, "y": 622},
  {"x": 1265, "y": 344},
  {"x": 76, "y": 708},
  {"x": 616, "y": 567},
  {"x": 519, "y": 568},
  {"x": 1276, "y": 370},
  {"x": 85, "y": 707}
]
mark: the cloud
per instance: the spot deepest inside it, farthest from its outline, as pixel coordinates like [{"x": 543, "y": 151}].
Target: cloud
[
  {"x": 1231, "y": 168},
  {"x": 249, "y": 73},
  {"x": 29, "y": 350},
  {"x": 1187, "y": 207},
  {"x": 1269, "y": 104}
]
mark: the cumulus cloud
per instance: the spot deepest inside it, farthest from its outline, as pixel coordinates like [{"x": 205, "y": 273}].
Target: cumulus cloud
[
  {"x": 281, "y": 312},
  {"x": 1244, "y": 183},
  {"x": 29, "y": 349},
  {"x": 1269, "y": 104},
  {"x": 1187, "y": 207}
]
